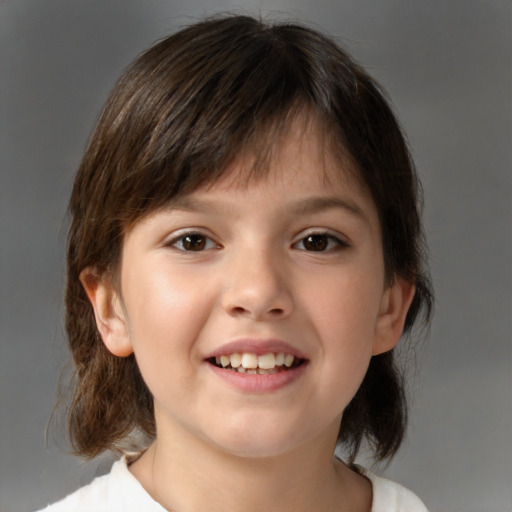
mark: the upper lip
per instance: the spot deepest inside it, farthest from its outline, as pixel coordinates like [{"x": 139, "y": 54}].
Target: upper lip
[{"x": 256, "y": 346}]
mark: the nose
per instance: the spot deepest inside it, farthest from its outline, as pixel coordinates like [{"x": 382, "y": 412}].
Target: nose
[{"x": 257, "y": 287}]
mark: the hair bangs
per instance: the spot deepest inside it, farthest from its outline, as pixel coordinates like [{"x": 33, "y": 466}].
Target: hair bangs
[{"x": 192, "y": 132}]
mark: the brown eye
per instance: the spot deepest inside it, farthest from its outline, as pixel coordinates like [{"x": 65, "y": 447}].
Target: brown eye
[
  {"x": 193, "y": 242},
  {"x": 315, "y": 243},
  {"x": 320, "y": 242}
]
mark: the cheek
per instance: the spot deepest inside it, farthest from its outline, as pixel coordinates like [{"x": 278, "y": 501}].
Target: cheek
[
  {"x": 164, "y": 313},
  {"x": 348, "y": 303},
  {"x": 346, "y": 312}
]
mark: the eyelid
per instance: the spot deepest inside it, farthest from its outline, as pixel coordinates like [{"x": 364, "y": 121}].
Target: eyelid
[
  {"x": 323, "y": 231},
  {"x": 173, "y": 239},
  {"x": 341, "y": 240}
]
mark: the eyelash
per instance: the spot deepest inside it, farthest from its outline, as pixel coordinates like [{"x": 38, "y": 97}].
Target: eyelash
[
  {"x": 199, "y": 242},
  {"x": 325, "y": 242},
  {"x": 193, "y": 237}
]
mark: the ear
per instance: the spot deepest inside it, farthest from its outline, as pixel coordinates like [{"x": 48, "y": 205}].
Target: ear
[
  {"x": 108, "y": 311},
  {"x": 393, "y": 311}
]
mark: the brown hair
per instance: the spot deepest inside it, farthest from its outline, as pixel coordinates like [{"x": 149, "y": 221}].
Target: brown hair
[{"x": 175, "y": 120}]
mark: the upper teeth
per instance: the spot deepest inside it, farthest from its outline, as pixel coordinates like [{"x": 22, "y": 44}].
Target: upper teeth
[{"x": 248, "y": 360}]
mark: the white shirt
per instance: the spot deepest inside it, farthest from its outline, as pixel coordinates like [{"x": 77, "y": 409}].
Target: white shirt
[{"x": 120, "y": 491}]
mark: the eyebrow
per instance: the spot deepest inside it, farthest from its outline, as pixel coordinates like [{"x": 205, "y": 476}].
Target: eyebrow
[
  {"x": 301, "y": 207},
  {"x": 192, "y": 205},
  {"x": 319, "y": 204}
]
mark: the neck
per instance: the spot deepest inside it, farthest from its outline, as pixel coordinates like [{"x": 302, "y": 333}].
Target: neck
[{"x": 185, "y": 474}]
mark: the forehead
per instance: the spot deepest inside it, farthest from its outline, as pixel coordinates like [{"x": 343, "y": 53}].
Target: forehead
[
  {"x": 300, "y": 177},
  {"x": 301, "y": 184},
  {"x": 303, "y": 148},
  {"x": 296, "y": 148}
]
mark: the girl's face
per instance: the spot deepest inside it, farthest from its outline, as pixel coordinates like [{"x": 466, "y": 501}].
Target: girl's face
[{"x": 253, "y": 311}]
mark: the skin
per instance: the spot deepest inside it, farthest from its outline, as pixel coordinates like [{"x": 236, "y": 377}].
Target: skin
[{"x": 257, "y": 276}]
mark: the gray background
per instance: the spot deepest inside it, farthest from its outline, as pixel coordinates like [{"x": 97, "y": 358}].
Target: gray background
[{"x": 447, "y": 66}]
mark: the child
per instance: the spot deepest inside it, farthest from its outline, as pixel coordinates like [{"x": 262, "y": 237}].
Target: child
[{"x": 245, "y": 252}]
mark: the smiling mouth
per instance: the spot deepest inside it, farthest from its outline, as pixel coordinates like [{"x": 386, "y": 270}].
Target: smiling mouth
[{"x": 265, "y": 364}]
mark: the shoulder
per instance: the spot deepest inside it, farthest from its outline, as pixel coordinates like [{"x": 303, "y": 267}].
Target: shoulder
[
  {"x": 92, "y": 495},
  {"x": 119, "y": 491},
  {"x": 389, "y": 496}
]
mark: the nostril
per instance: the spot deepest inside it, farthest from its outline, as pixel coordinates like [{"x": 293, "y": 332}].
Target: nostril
[{"x": 240, "y": 310}]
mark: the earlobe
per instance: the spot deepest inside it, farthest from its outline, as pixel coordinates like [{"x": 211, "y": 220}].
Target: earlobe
[
  {"x": 108, "y": 312},
  {"x": 394, "y": 307}
]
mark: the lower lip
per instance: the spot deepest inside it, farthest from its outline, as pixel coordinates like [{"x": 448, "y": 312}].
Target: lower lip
[{"x": 256, "y": 383}]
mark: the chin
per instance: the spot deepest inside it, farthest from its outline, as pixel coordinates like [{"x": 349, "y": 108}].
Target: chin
[
  {"x": 257, "y": 441},
  {"x": 256, "y": 449}
]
